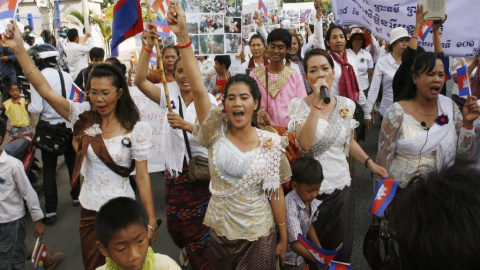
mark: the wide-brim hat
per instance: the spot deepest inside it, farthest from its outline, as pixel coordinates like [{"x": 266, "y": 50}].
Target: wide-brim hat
[{"x": 398, "y": 33}]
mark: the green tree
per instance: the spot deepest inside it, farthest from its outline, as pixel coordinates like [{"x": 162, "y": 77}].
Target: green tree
[{"x": 104, "y": 24}]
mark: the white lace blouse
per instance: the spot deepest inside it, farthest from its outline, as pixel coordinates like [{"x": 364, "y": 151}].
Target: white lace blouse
[
  {"x": 334, "y": 160},
  {"x": 100, "y": 183}
]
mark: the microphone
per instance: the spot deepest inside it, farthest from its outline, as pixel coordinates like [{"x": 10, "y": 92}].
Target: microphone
[
  {"x": 324, "y": 94},
  {"x": 424, "y": 125}
]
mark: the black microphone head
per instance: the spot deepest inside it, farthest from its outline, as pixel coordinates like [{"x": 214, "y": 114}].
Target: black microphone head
[
  {"x": 326, "y": 100},
  {"x": 423, "y": 124}
]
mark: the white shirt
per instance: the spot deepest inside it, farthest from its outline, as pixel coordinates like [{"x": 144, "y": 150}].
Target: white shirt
[
  {"x": 14, "y": 188},
  {"x": 39, "y": 105},
  {"x": 383, "y": 75},
  {"x": 352, "y": 59},
  {"x": 76, "y": 56},
  {"x": 364, "y": 62}
]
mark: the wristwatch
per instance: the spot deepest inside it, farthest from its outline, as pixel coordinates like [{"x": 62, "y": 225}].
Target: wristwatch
[{"x": 159, "y": 222}]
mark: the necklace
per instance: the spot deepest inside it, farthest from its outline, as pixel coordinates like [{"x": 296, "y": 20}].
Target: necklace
[
  {"x": 426, "y": 112},
  {"x": 323, "y": 110}
]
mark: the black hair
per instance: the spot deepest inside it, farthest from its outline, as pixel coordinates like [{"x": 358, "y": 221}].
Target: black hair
[
  {"x": 257, "y": 36},
  {"x": 424, "y": 62},
  {"x": 329, "y": 34},
  {"x": 126, "y": 111},
  {"x": 280, "y": 34},
  {"x": 27, "y": 27},
  {"x": 96, "y": 52},
  {"x": 114, "y": 61},
  {"x": 175, "y": 48},
  {"x": 3, "y": 129},
  {"x": 437, "y": 219},
  {"x": 175, "y": 65},
  {"x": 223, "y": 60},
  {"x": 307, "y": 170},
  {"x": 254, "y": 90},
  {"x": 314, "y": 52},
  {"x": 117, "y": 214},
  {"x": 72, "y": 34},
  {"x": 349, "y": 42}
]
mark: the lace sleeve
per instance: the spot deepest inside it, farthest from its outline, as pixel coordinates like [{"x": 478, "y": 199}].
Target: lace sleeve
[
  {"x": 206, "y": 133},
  {"x": 298, "y": 112},
  {"x": 466, "y": 138},
  {"x": 387, "y": 142},
  {"x": 141, "y": 141},
  {"x": 75, "y": 110},
  {"x": 285, "y": 170}
]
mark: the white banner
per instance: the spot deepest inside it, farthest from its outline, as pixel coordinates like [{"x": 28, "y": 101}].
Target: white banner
[
  {"x": 151, "y": 113},
  {"x": 460, "y": 34}
]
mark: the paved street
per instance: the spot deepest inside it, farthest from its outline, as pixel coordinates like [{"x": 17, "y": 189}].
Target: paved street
[{"x": 64, "y": 236}]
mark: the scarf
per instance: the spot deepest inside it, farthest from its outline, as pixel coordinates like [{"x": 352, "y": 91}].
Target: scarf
[
  {"x": 302, "y": 71},
  {"x": 347, "y": 85},
  {"x": 148, "y": 264},
  {"x": 88, "y": 128},
  {"x": 476, "y": 83},
  {"x": 251, "y": 63},
  {"x": 443, "y": 139}
]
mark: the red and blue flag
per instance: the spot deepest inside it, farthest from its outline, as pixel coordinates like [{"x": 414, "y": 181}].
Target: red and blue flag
[
  {"x": 446, "y": 68},
  {"x": 463, "y": 80},
  {"x": 339, "y": 266},
  {"x": 76, "y": 95},
  {"x": 8, "y": 8},
  {"x": 161, "y": 8},
  {"x": 127, "y": 21},
  {"x": 384, "y": 193},
  {"x": 153, "y": 58},
  {"x": 263, "y": 9},
  {"x": 305, "y": 15},
  {"x": 219, "y": 99},
  {"x": 322, "y": 256},
  {"x": 425, "y": 29},
  {"x": 162, "y": 28}
]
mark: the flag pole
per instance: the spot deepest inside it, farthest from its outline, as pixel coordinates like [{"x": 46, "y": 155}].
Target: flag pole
[{"x": 160, "y": 62}]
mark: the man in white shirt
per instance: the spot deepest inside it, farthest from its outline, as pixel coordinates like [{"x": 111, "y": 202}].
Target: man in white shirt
[{"x": 76, "y": 53}]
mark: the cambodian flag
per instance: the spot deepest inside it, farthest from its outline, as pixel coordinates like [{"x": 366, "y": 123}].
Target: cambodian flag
[
  {"x": 305, "y": 15},
  {"x": 425, "y": 29},
  {"x": 76, "y": 94},
  {"x": 8, "y": 8},
  {"x": 322, "y": 257},
  {"x": 384, "y": 193},
  {"x": 339, "y": 266},
  {"x": 127, "y": 21},
  {"x": 263, "y": 8},
  {"x": 161, "y": 8},
  {"x": 219, "y": 99},
  {"x": 463, "y": 80},
  {"x": 153, "y": 58},
  {"x": 162, "y": 28},
  {"x": 446, "y": 68}
]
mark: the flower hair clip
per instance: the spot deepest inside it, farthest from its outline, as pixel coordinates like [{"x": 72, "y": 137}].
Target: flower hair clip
[
  {"x": 344, "y": 112},
  {"x": 442, "y": 120},
  {"x": 268, "y": 144}
]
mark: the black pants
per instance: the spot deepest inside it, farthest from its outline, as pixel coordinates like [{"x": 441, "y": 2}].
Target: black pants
[{"x": 49, "y": 177}]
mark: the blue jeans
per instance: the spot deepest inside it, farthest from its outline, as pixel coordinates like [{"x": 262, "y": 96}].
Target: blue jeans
[
  {"x": 14, "y": 131},
  {"x": 13, "y": 251}
]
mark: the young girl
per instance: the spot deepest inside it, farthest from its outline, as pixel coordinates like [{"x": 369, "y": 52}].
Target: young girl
[{"x": 16, "y": 108}]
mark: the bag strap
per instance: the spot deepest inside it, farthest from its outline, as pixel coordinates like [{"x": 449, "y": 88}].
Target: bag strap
[
  {"x": 187, "y": 143},
  {"x": 64, "y": 93}
]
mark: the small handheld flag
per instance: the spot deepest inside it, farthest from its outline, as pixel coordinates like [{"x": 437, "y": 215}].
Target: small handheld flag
[
  {"x": 384, "y": 193},
  {"x": 134, "y": 57},
  {"x": 339, "y": 266},
  {"x": 76, "y": 94},
  {"x": 263, "y": 9},
  {"x": 153, "y": 58},
  {"x": 162, "y": 28},
  {"x": 322, "y": 256},
  {"x": 219, "y": 99},
  {"x": 446, "y": 68},
  {"x": 8, "y": 8},
  {"x": 463, "y": 79},
  {"x": 160, "y": 8},
  {"x": 425, "y": 29},
  {"x": 305, "y": 15},
  {"x": 39, "y": 254}
]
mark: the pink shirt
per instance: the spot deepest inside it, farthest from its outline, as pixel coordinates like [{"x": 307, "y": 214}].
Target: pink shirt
[{"x": 277, "y": 107}]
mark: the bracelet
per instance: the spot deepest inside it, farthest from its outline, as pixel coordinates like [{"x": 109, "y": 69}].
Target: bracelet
[
  {"x": 149, "y": 51},
  {"x": 30, "y": 72},
  {"x": 185, "y": 46},
  {"x": 159, "y": 221},
  {"x": 415, "y": 37},
  {"x": 366, "y": 162},
  {"x": 282, "y": 224},
  {"x": 318, "y": 108}
]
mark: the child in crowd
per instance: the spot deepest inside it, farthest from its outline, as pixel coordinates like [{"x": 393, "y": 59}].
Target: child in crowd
[
  {"x": 16, "y": 108},
  {"x": 14, "y": 188},
  {"x": 217, "y": 82},
  {"x": 301, "y": 204},
  {"x": 121, "y": 226}
]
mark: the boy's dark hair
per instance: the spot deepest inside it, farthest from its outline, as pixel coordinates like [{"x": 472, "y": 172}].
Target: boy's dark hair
[
  {"x": 114, "y": 61},
  {"x": 118, "y": 214},
  {"x": 438, "y": 220},
  {"x": 280, "y": 34},
  {"x": 3, "y": 129},
  {"x": 307, "y": 170},
  {"x": 72, "y": 34},
  {"x": 96, "y": 52},
  {"x": 223, "y": 59}
]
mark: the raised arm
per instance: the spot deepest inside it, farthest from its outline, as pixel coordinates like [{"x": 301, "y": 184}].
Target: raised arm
[
  {"x": 178, "y": 24},
  {"x": 420, "y": 15},
  {"x": 38, "y": 81},
  {"x": 148, "y": 88}
]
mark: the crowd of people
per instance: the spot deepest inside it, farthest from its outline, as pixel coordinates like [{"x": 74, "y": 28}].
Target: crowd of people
[{"x": 275, "y": 159}]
